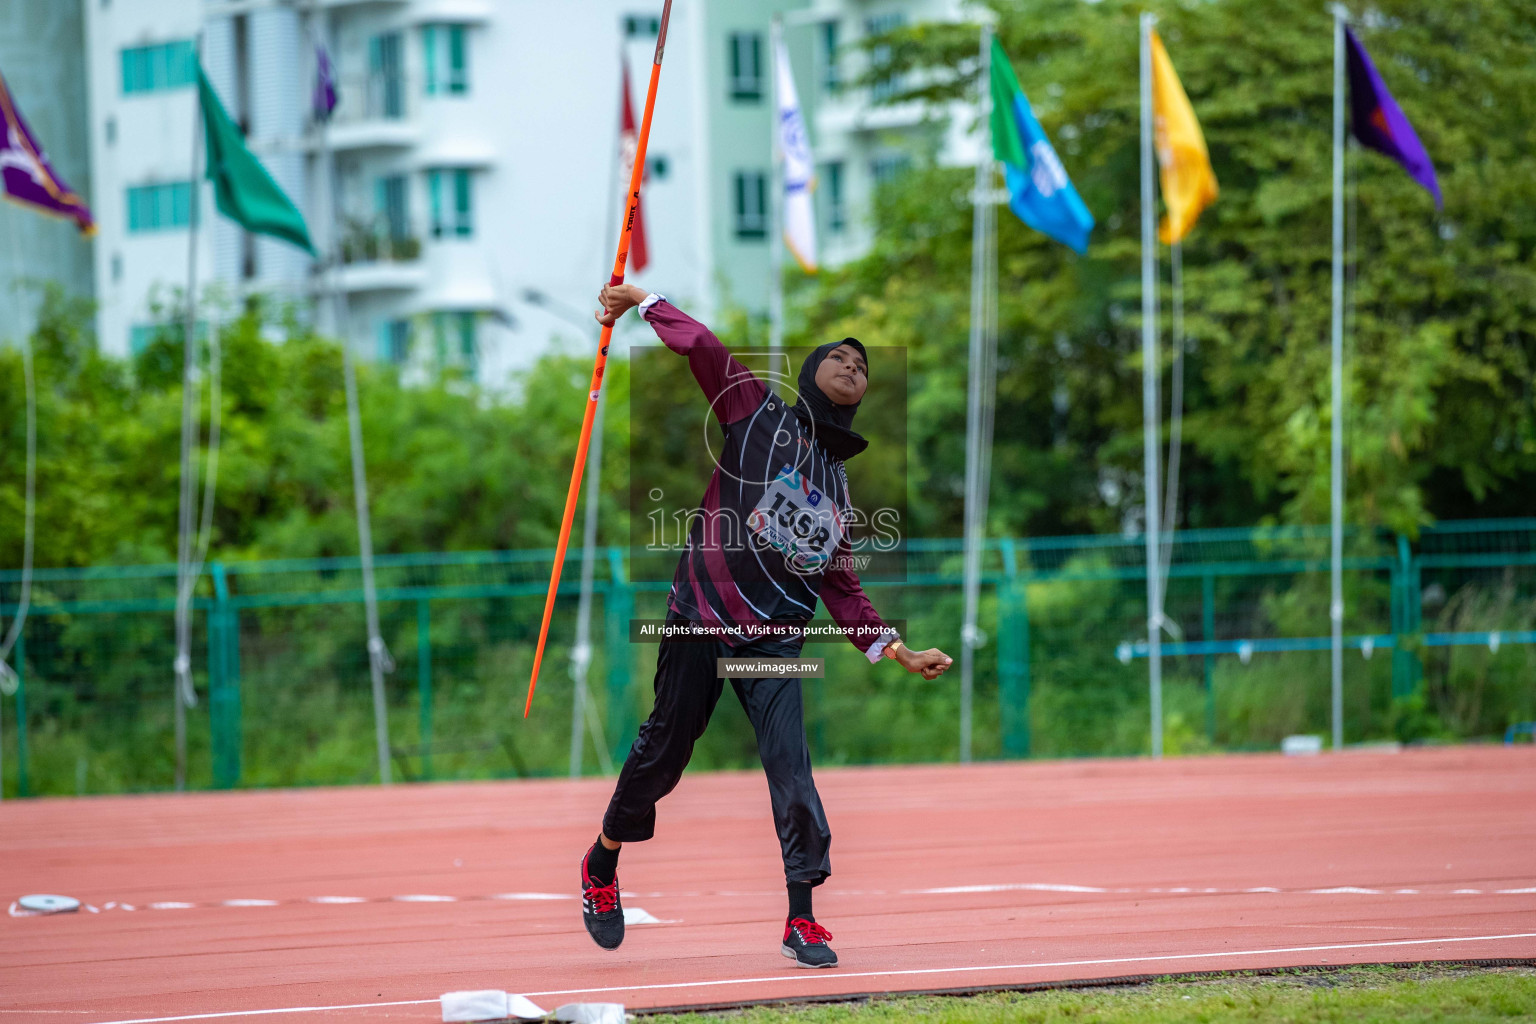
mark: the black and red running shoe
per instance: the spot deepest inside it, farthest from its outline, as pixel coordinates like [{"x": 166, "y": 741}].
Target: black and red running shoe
[
  {"x": 601, "y": 911},
  {"x": 805, "y": 942}
]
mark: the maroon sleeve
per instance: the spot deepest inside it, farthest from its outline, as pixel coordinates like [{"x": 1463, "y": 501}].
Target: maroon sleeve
[
  {"x": 733, "y": 391},
  {"x": 849, "y": 606}
]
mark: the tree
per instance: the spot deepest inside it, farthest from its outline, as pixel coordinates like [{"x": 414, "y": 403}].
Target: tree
[{"x": 1441, "y": 421}]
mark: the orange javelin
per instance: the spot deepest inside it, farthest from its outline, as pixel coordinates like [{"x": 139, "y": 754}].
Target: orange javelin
[{"x": 596, "y": 387}]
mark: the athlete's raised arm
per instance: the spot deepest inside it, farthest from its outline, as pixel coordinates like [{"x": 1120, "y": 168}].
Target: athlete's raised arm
[{"x": 732, "y": 390}]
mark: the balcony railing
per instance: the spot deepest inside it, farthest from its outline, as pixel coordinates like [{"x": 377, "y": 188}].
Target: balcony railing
[
  {"x": 377, "y": 96},
  {"x": 375, "y": 240}
]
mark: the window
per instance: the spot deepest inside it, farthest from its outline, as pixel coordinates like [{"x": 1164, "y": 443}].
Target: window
[
  {"x": 452, "y": 203},
  {"x": 890, "y": 85},
  {"x": 159, "y": 66},
  {"x": 395, "y": 341},
  {"x": 390, "y": 206},
  {"x": 386, "y": 82},
  {"x": 453, "y": 336},
  {"x": 657, "y": 168},
  {"x": 837, "y": 208},
  {"x": 111, "y": 131},
  {"x": 831, "y": 76},
  {"x": 642, "y": 26},
  {"x": 746, "y": 66},
  {"x": 887, "y": 168},
  {"x": 117, "y": 266},
  {"x": 446, "y": 60},
  {"x": 159, "y": 207},
  {"x": 751, "y": 204}
]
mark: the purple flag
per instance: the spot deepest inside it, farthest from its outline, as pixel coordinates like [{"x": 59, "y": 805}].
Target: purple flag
[
  {"x": 27, "y": 176},
  {"x": 1378, "y": 122},
  {"x": 325, "y": 84}
]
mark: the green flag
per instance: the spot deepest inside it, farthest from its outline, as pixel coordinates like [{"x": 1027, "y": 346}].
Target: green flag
[{"x": 242, "y": 188}]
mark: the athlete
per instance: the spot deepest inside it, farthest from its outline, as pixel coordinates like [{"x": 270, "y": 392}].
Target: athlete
[{"x": 769, "y": 541}]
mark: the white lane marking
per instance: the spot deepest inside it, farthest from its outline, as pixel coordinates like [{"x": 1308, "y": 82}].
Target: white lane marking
[
  {"x": 781, "y": 978},
  {"x": 1020, "y": 967},
  {"x": 283, "y": 1009},
  {"x": 535, "y": 896},
  {"x": 1018, "y": 887},
  {"x": 950, "y": 890}
]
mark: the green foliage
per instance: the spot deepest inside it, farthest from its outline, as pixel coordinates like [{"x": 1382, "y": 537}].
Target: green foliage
[
  {"x": 450, "y": 466},
  {"x": 1441, "y": 420}
]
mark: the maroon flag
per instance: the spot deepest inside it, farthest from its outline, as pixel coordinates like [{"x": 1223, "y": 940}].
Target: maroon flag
[
  {"x": 629, "y": 139},
  {"x": 26, "y": 175}
]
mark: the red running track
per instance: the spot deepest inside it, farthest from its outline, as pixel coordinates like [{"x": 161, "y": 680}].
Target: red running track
[{"x": 945, "y": 877}]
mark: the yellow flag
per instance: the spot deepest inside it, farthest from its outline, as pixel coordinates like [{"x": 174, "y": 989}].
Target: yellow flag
[{"x": 1189, "y": 184}]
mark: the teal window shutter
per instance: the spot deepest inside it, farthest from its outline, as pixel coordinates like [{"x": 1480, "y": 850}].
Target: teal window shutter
[
  {"x": 464, "y": 215},
  {"x": 181, "y": 204},
  {"x": 467, "y": 336},
  {"x": 429, "y": 53},
  {"x": 435, "y": 192},
  {"x": 458, "y": 64}
]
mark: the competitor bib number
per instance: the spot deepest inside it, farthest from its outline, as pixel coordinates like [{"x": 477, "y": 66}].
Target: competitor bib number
[{"x": 796, "y": 519}]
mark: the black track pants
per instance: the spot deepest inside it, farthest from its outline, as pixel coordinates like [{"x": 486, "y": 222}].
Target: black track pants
[{"x": 687, "y": 690}]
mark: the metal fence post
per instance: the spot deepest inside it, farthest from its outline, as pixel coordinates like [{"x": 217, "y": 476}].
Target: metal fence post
[
  {"x": 618, "y": 609},
  {"x": 1208, "y": 666},
  {"x": 1013, "y": 682},
  {"x": 1413, "y": 607},
  {"x": 1402, "y": 622},
  {"x": 224, "y": 682},
  {"x": 424, "y": 683},
  {"x": 19, "y": 664}
]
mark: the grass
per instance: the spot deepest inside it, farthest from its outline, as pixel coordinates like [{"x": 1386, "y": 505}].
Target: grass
[{"x": 1358, "y": 995}]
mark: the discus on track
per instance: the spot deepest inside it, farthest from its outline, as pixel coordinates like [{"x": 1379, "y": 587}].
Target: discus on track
[{"x": 636, "y": 174}]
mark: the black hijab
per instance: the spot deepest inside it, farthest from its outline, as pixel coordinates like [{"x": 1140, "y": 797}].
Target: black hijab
[{"x": 830, "y": 423}]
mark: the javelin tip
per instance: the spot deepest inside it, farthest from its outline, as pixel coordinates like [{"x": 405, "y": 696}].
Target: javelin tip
[{"x": 661, "y": 35}]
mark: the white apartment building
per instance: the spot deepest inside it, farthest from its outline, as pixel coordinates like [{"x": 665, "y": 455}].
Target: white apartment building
[
  {"x": 472, "y": 157},
  {"x": 857, "y": 140},
  {"x": 471, "y": 160}
]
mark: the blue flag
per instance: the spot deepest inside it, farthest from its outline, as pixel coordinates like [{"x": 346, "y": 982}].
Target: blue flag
[{"x": 1040, "y": 192}]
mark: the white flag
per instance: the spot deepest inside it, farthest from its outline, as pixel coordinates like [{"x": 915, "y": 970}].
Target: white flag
[{"x": 799, "y": 170}]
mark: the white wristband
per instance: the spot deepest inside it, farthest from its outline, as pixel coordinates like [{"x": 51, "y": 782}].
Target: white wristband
[{"x": 650, "y": 300}]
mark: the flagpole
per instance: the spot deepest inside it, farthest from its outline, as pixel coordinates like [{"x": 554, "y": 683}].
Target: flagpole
[
  {"x": 379, "y": 661},
  {"x": 581, "y": 652},
  {"x": 1336, "y": 439},
  {"x": 1149, "y": 399},
  {"x": 185, "y": 694},
  {"x": 776, "y": 205},
  {"x": 11, "y": 679},
  {"x": 980, "y": 239}
]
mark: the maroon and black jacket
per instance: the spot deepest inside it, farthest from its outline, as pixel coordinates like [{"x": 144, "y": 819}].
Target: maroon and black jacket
[{"x": 770, "y": 537}]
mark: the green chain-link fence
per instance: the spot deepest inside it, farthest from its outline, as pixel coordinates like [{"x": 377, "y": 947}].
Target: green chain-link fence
[{"x": 1441, "y": 635}]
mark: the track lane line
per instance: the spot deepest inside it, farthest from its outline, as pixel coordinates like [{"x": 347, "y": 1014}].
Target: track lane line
[{"x": 779, "y": 978}]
